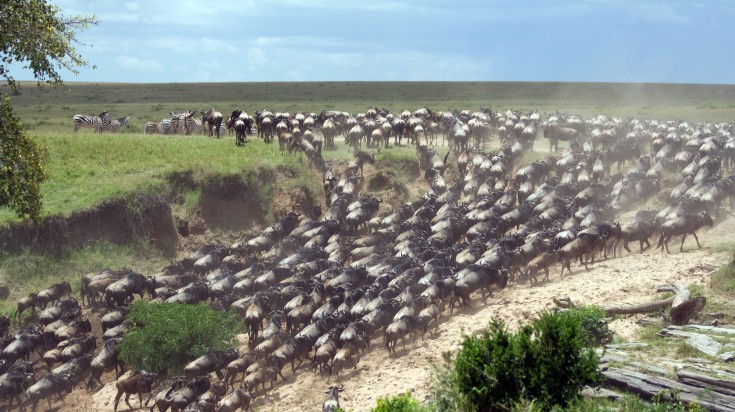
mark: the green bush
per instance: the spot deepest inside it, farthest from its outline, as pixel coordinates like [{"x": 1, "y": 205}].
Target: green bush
[
  {"x": 594, "y": 326},
  {"x": 547, "y": 362},
  {"x": 165, "y": 336},
  {"x": 399, "y": 403}
]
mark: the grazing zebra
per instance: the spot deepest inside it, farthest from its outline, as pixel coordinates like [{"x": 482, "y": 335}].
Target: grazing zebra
[
  {"x": 183, "y": 122},
  {"x": 197, "y": 126},
  {"x": 165, "y": 126},
  {"x": 82, "y": 120},
  {"x": 153, "y": 128},
  {"x": 114, "y": 125}
]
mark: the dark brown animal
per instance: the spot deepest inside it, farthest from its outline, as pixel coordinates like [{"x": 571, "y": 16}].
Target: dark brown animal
[
  {"x": 212, "y": 361},
  {"x": 331, "y": 404},
  {"x": 193, "y": 389},
  {"x": 140, "y": 383},
  {"x": 30, "y": 301},
  {"x": 687, "y": 224},
  {"x": 53, "y": 293},
  {"x": 237, "y": 399},
  {"x": 50, "y": 384},
  {"x": 106, "y": 359}
]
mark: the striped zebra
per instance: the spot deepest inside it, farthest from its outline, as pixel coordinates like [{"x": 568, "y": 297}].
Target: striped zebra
[
  {"x": 153, "y": 128},
  {"x": 222, "y": 129},
  {"x": 183, "y": 122},
  {"x": 114, "y": 125},
  {"x": 197, "y": 127},
  {"x": 94, "y": 122}
]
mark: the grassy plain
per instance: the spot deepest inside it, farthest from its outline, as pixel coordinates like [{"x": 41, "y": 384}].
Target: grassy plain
[{"x": 52, "y": 109}]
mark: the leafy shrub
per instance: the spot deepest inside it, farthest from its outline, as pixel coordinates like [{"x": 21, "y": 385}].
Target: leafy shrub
[
  {"x": 165, "y": 336},
  {"x": 399, "y": 403},
  {"x": 546, "y": 362},
  {"x": 594, "y": 326}
]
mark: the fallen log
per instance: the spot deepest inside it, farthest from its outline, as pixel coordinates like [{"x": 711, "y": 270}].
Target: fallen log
[{"x": 683, "y": 307}]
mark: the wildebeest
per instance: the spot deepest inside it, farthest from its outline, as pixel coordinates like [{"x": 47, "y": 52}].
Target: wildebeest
[
  {"x": 193, "y": 293},
  {"x": 104, "y": 360},
  {"x": 12, "y": 382},
  {"x": 331, "y": 404},
  {"x": 400, "y": 329},
  {"x": 585, "y": 245},
  {"x": 477, "y": 277},
  {"x": 211, "y": 361},
  {"x": 121, "y": 291},
  {"x": 554, "y": 133},
  {"x": 540, "y": 262},
  {"x": 345, "y": 356},
  {"x": 50, "y": 384},
  {"x": 687, "y": 224},
  {"x": 113, "y": 318},
  {"x": 458, "y": 135},
  {"x": 259, "y": 377},
  {"x": 239, "y": 366},
  {"x": 140, "y": 383},
  {"x": 237, "y": 399},
  {"x": 291, "y": 351},
  {"x": 75, "y": 327},
  {"x": 24, "y": 303},
  {"x": 431, "y": 313},
  {"x": 25, "y": 342},
  {"x": 162, "y": 400},
  {"x": 53, "y": 293},
  {"x": 358, "y": 162},
  {"x": 212, "y": 118}
]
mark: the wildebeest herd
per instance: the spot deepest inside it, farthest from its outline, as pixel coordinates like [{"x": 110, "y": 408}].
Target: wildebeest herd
[{"x": 317, "y": 290}]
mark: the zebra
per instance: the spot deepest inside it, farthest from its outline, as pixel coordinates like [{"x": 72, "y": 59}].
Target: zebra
[
  {"x": 153, "y": 128},
  {"x": 114, "y": 125},
  {"x": 183, "y": 122},
  {"x": 197, "y": 126},
  {"x": 82, "y": 120}
]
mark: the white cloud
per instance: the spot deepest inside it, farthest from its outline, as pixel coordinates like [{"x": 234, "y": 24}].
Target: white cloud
[
  {"x": 118, "y": 18},
  {"x": 136, "y": 64}
]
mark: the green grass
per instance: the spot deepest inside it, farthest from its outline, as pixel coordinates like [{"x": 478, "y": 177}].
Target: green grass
[
  {"x": 53, "y": 109},
  {"x": 629, "y": 403},
  {"x": 31, "y": 272},
  {"x": 87, "y": 169},
  {"x": 723, "y": 247}
]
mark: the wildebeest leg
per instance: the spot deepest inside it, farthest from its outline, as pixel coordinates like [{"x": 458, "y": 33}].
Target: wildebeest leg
[
  {"x": 127, "y": 400},
  {"x": 683, "y": 237},
  {"x": 697, "y": 239},
  {"x": 661, "y": 242},
  {"x": 117, "y": 400},
  {"x": 647, "y": 245}
]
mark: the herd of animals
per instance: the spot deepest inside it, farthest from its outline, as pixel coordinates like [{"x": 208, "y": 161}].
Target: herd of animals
[{"x": 317, "y": 290}]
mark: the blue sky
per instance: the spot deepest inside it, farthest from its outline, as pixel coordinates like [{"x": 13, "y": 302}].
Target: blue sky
[{"x": 668, "y": 41}]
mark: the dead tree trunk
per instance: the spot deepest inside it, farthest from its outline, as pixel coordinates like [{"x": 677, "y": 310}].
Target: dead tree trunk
[{"x": 683, "y": 307}]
